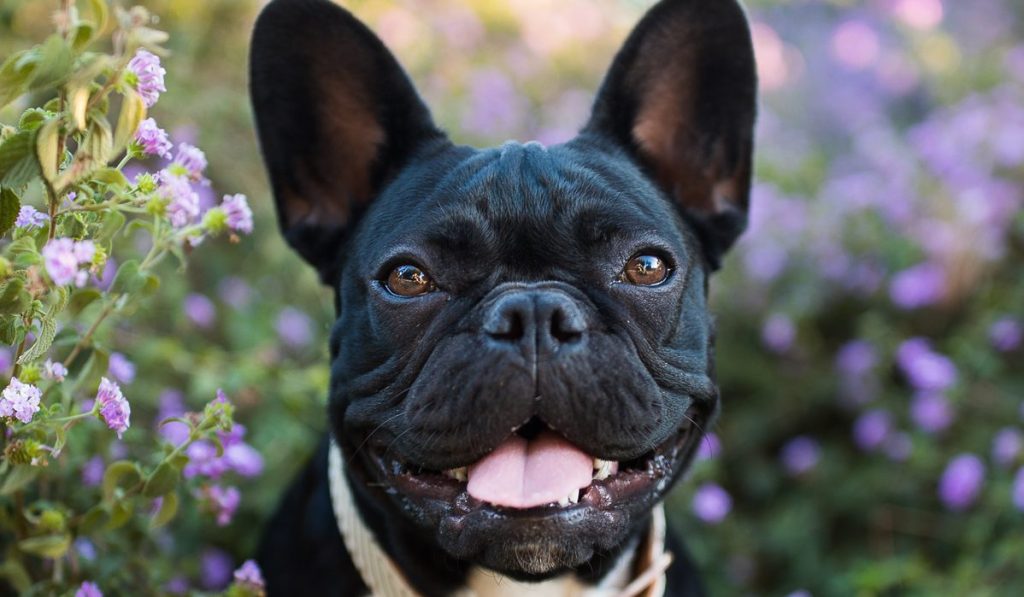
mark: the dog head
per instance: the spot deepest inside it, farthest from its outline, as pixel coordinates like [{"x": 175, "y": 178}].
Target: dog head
[{"x": 531, "y": 318}]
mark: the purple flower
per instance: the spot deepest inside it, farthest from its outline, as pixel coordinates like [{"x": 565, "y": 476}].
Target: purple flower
[
  {"x": 778, "y": 333},
  {"x": 919, "y": 286},
  {"x": 235, "y": 291},
  {"x": 30, "y": 217},
  {"x": 182, "y": 201},
  {"x": 856, "y": 358},
  {"x": 249, "y": 574},
  {"x": 215, "y": 567},
  {"x": 152, "y": 139},
  {"x": 237, "y": 456},
  {"x": 55, "y": 371},
  {"x": 711, "y": 503},
  {"x": 200, "y": 310},
  {"x": 244, "y": 459},
  {"x": 19, "y": 400},
  {"x": 855, "y": 44},
  {"x": 236, "y": 207},
  {"x": 6, "y": 359},
  {"x": 86, "y": 549},
  {"x": 62, "y": 258},
  {"x": 92, "y": 472},
  {"x": 1006, "y": 335},
  {"x": 872, "y": 429},
  {"x": 203, "y": 461},
  {"x": 88, "y": 589},
  {"x": 223, "y": 501},
  {"x": 1006, "y": 446},
  {"x": 800, "y": 455},
  {"x": 961, "y": 481},
  {"x": 931, "y": 412},
  {"x": 710, "y": 446},
  {"x": 171, "y": 405},
  {"x": 149, "y": 76},
  {"x": 1018, "y": 489},
  {"x": 191, "y": 159},
  {"x": 121, "y": 368},
  {"x": 114, "y": 408},
  {"x": 924, "y": 368},
  {"x": 294, "y": 328},
  {"x": 898, "y": 447}
]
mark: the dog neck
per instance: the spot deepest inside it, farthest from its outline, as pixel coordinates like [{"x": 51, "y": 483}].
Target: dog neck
[{"x": 639, "y": 572}]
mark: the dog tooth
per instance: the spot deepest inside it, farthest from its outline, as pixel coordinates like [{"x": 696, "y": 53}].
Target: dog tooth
[
  {"x": 459, "y": 474},
  {"x": 603, "y": 469},
  {"x": 564, "y": 501},
  {"x": 574, "y": 497}
]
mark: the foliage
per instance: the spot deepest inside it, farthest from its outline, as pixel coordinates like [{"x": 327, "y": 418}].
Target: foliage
[{"x": 869, "y": 323}]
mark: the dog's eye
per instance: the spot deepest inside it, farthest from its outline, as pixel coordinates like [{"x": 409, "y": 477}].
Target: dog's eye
[
  {"x": 645, "y": 270},
  {"x": 409, "y": 280}
]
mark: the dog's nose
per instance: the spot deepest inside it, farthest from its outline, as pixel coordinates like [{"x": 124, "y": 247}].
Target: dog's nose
[{"x": 547, "y": 319}]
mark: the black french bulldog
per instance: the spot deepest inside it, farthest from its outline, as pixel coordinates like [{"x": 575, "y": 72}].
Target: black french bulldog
[{"x": 511, "y": 321}]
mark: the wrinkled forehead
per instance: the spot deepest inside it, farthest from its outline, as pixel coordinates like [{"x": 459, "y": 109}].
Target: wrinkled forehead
[{"x": 525, "y": 200}]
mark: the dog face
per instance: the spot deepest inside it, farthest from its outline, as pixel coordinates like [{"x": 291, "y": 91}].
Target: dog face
[{"x": 522, "y": 361}]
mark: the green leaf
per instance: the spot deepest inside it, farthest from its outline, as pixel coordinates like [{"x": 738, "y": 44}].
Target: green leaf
[
  {"x": 55, "y": 63},
  {"x": 122, "y": 470},
  {"x": 168, "y": 509},
  {"x": 9, "y": 208},
  {"x": 47, "y": 546},
  {"x": 133, "y": 111},
  {"x": 81, "y": 299},
  {"x": 11, "y": 330},
  {"x": 13, "y": 297},
  {"x": 112, "y": 222},
  {"x": 47, "y": 331},
  {"x": 18, "y": 477},
  {"x": 92, "y": 519},
  {"x": 32, "y": 119},
  {"x": 15, "y": 74},
  {"x": 100, "y": 14},
  {"x": 18, "y": 165},
  {"x": 82, "y": 35},
  {"x": 128, "y": 279},
  {"x": 16, "y": 575},
  {"x": 120, "y": 513},
  {"x": 48, "y": 149},
  {"x": 110, "y": 177},
  {"x": 163, "y": 480}
]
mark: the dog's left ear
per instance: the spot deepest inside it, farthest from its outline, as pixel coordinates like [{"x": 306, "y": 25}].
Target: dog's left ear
[
  {"x": 336, "y": 116},
  {"x": 681, "y": 98}
]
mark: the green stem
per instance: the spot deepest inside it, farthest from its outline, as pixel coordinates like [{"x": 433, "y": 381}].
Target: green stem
[{"x": 107, "y": 310}]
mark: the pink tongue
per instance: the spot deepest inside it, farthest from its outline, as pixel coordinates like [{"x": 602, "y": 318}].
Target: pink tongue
[{"x": 523, "y": 473}]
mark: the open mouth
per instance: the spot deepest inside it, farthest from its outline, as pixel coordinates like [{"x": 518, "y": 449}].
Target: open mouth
[{"x": 536, "y": 471}]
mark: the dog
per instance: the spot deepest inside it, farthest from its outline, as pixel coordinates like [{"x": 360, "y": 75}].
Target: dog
[{"x": 522, "y": 363}]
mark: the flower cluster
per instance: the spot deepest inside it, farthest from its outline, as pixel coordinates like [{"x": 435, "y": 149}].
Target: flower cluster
[
  {"x": 19, "y": 401},
  {"x": 148, "y": 75},
  {"x": 66, "y": 260},
  {"x": 113, "y": 406}
]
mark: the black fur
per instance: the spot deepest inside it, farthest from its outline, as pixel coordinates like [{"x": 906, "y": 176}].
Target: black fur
[{"x": 518, "y": 237}]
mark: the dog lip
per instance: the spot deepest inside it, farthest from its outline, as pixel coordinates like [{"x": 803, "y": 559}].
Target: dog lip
[{"x": 647, "y": 476}]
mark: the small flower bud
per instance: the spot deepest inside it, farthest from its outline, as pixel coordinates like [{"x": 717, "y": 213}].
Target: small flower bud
[
  {"x": 146, "y": 183},
  {"x": 215, "y": 221}
]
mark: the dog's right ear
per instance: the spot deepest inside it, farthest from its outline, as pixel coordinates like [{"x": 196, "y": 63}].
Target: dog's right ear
[{"x": 336, "y": 116}]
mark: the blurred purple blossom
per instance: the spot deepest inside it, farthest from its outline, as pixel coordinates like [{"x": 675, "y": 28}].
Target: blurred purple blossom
[
  {"x": 223, "y": 501},
  {"x": 63, "y": 257},
  {"x": 961, "y": 482},
  {"x": 1006, "y": 334},
  {"x": 711, "y": 503},
  {"x": 55, "y": 371},
  {"x": 171, "y": 403},
  {"x": 1007, "y": 446},
  {"x": 249, "y": 574},
  {"x": 6, "y": 359},
  {"x": 856, "y": 358},
  {"x": 200, "y": 310},
  {"x": 235, "y": 291},
  {"x": 182, "y": 200},
  {"x": 86, "y": 549},
  {"x": 120, "y": 368},
  {"x": 88, "y": 589},
  {"x": 105, "y": 278},
  {"x": 191, "y": 160},
  {"x": 918, "y": 286},
  {"x": 237, "y": 456},
  {"x": 30, "y": 217},
  {"x": 294, "y": 328},
  {"x": 931, "y": 412},
  {"x": 236, "y": 207},
  {"x": 778, "y": 333},
  {"x": 855, "y": 45},
  {"x": 924, "y": 368},
  {"x": 898, "y": 446},
  {"x": 19, "y": 400},
  {"x": 92, "y": 471},
  {"x": 216, "y": 569},
  {"x": 710, "y": 447},
  {"x": 1018, "y": 489},
  {"x": 494, "y": 106},
  {"x": 872, "y": 429},
  {"x": 800, "y": 455}
]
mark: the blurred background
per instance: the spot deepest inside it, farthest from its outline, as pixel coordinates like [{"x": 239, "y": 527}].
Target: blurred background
[{"x": 870, "y": 345}]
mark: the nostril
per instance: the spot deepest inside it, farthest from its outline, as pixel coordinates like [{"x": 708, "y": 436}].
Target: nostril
[
  {"x": 506, "y": 326},
  {"x": 565, "y": 328}
]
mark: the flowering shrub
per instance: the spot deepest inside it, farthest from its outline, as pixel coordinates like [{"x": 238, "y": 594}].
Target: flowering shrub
[
  {"x": 66, "y": 204},
  {"x": 870, "y": 323}
]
